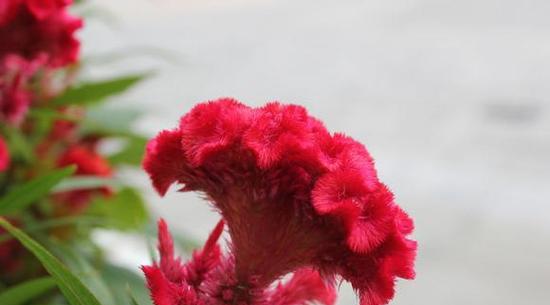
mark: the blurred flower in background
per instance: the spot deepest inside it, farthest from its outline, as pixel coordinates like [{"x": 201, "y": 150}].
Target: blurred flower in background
[{"x": 33, "y": 28}]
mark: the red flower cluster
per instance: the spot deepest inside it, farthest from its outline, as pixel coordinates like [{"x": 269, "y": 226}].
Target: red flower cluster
[
  {"x": 34, "y": 34},
  {"x": 32, "y": 28},
  {"x": 15, "y": 97},
  {"x": 88, "y": 163},
  {"x": 209, "y": 279},
  {"x": 293, "y": 196}
]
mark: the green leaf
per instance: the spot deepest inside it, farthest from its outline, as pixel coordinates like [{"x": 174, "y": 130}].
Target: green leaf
[
  {"x": 80, "y": 220},
  {"x": 125, "y": 210},
  {"x": 93, "y": 92},
  {"x": 85, "y": 182},
  {"x": 26, "y": 291},
  {"x": 110, "y": 120},
  {"x": 78, "y": 258},
  {"x": 19, "y": 145},
  {"x": 50, "y": 114},
  {"x": 169, "y": 56},
  {"x": 132, "y": 153},
  {"x": 25, "y": 194},
  {"x": 133, "y": 300},
  {"x": 69, "y": 284},
  {"x": 121, "y": 279}
]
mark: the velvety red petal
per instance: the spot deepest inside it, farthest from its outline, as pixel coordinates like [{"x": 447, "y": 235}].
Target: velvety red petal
[
  {"x": 305, "y": 287},
  {"x": 43, "y": 8},
  {"x": 165, "y": 159},
  {"x": 337, "y": 188},
  {"x": 279, "y": 131},
  {"x": 169, "y": 264},
  {"x": 212, "y": 126},
  {"x": 205, "y": 260},
  {"x": 8, "y": 10},
  {"x": 164, "y": 292},
  {"x": 373, "y": 275}
]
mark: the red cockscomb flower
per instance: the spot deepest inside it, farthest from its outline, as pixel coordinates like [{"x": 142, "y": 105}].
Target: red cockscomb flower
[
  {"x": 32, "y": 28},
  {"x": 292, "y": 195},
  {"x": 4, "y": 155},
  {"x": 209, "y": 278},
  {"x": 88, "y": 163}
]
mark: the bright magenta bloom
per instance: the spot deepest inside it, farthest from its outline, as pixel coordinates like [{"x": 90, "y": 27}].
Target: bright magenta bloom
[
  {"x": 33, "y": 28},
  {"x": 292, "y": 195}
]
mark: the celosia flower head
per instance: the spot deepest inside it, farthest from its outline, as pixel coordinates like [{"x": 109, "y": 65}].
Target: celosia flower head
[
  {"x": 292, "y": 194},
  {"x": 32, "y": 28}
]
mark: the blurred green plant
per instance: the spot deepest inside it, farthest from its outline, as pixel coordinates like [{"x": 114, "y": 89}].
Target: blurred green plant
[{"x": 60, "y": 181}]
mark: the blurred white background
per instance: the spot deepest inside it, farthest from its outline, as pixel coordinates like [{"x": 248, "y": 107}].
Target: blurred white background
[{"x": 452, "y": 98}]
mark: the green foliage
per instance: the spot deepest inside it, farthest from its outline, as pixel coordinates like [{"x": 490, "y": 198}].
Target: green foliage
[
  {"x": 131, "y": 153},
  {"x": 20, "y": 148},
  {"x": 58, "y": 228},
  {"x": 86, "y": 182},
  {"x": 24, "y": 292},
  {"x": 22, "y": 195},
  {"x": 115, "y": 121},
  {"x": 125, "y": 210},
  {"x": 168, "y": 56},
  {"x": 70, "y": 285},
  {"x": 94, "y": 92},
  {"x": 79, "y": 257},
  {"x": 124, "y": 280}
]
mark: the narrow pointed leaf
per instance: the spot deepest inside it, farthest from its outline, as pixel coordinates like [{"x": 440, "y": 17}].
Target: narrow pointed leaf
[
  {"x": 85, "y": 182},
  {"x": 125, "y": 210},
  {"x": 25, "y": 194},
  {"x": 26, "y": 291},
  {"x": 93, "y": 92},
  {"x": 70, "y": 285}
]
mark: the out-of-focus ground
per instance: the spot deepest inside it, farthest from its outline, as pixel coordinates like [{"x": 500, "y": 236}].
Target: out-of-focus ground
[{"x": 452, "y": 98}]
